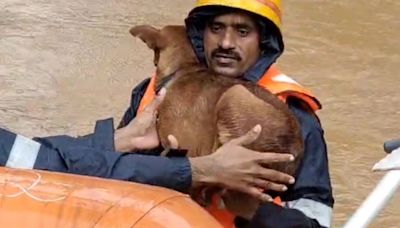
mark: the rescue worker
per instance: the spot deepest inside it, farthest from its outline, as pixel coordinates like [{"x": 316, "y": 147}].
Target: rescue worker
[
  {"x": 235, "y": 38},
  {"x": 243, "y": 39}
]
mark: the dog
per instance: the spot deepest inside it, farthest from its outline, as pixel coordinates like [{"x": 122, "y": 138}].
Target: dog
[{"x": 204, "y": 110}]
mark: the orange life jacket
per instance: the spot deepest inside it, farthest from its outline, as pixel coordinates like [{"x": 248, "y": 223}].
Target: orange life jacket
[
  {"x": 273, "y": 80},
  {"x": 277, "y": 83}
]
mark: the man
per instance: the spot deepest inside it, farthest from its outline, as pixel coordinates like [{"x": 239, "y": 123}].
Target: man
[
  {"x": 242, "y": 39},
  {"x": 236, "y": 45},
  {"x": 98, "y": 154}
]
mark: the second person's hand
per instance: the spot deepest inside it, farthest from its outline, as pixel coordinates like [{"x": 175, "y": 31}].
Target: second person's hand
[{"x": 140, "y": 133}]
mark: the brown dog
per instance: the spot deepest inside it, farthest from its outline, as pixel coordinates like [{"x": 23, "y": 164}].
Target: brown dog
[{"x": 204, "y": 110}]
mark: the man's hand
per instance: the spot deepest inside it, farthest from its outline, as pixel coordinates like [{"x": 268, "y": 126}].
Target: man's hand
[
  {"x": 234, "y": 167},
  {"x": 141, "y": 132}
]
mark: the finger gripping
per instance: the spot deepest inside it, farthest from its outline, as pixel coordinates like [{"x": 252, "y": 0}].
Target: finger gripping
[{"x": 249, "y": 137}]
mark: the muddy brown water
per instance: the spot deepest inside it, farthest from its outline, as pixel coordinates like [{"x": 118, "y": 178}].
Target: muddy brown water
[{"x": 65, "y": 64}]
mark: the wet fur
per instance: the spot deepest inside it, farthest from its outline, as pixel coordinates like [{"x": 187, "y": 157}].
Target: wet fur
[{"x": 204, "y": 110}]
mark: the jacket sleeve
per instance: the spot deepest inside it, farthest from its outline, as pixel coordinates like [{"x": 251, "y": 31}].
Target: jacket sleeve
[
  {"x": 93, "y": 155},
  {"x": 309, "y": 202}
]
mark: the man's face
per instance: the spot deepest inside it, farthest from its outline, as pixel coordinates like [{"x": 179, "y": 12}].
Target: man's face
[{"x": 231, "y": 44}]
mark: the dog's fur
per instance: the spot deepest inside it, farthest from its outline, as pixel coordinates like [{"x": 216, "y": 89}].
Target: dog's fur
[{"x": 203, "y": 110}]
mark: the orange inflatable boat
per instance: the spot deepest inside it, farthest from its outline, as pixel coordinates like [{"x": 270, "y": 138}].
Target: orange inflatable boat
[{"x": 33, "y": 198}]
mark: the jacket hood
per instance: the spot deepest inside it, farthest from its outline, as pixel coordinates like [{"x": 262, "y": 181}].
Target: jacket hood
[{"x": 271, "y": 42}]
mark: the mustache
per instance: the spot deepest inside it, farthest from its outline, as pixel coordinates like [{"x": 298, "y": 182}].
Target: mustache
[{"x": 226, "y": 53}]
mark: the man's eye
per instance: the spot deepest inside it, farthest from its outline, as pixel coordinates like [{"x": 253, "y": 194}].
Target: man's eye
[
  {"x": 216, "y": 28},
  {"x": 243, "y": 32}
]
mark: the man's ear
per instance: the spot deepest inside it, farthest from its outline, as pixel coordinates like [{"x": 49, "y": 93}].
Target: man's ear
[{"x": 148, "y": 34}]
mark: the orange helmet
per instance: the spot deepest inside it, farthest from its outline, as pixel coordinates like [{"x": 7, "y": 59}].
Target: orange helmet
[{"x": 268, "y": 9}]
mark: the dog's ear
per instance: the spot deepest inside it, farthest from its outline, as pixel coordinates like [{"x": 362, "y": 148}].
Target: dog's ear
[{"x": 148, "y": 34}]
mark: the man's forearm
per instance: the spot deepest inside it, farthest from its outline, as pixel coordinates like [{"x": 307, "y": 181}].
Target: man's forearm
[
  {"x": 173, "y": 173},
  {"x": 93, "y": 155}
]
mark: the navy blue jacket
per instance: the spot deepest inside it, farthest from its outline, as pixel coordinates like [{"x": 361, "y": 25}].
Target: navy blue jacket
[
  {"x": 312, "y": 192},
  {"x": 94, "y": 155},
  {"x": 308, "y": 203}
]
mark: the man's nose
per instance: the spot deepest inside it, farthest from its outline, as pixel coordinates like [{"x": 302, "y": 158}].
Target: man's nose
[{"x": 227, "y": 40}]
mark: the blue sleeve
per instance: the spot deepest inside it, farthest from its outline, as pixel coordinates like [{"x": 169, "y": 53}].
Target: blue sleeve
[
  {"x": 309, "y": 202},
  {"x": 313, "y": 179},
  {"x": 93, "y": 155}
]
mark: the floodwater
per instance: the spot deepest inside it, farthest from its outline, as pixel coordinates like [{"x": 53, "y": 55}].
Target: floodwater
[{"x": 65, "y": 64}]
